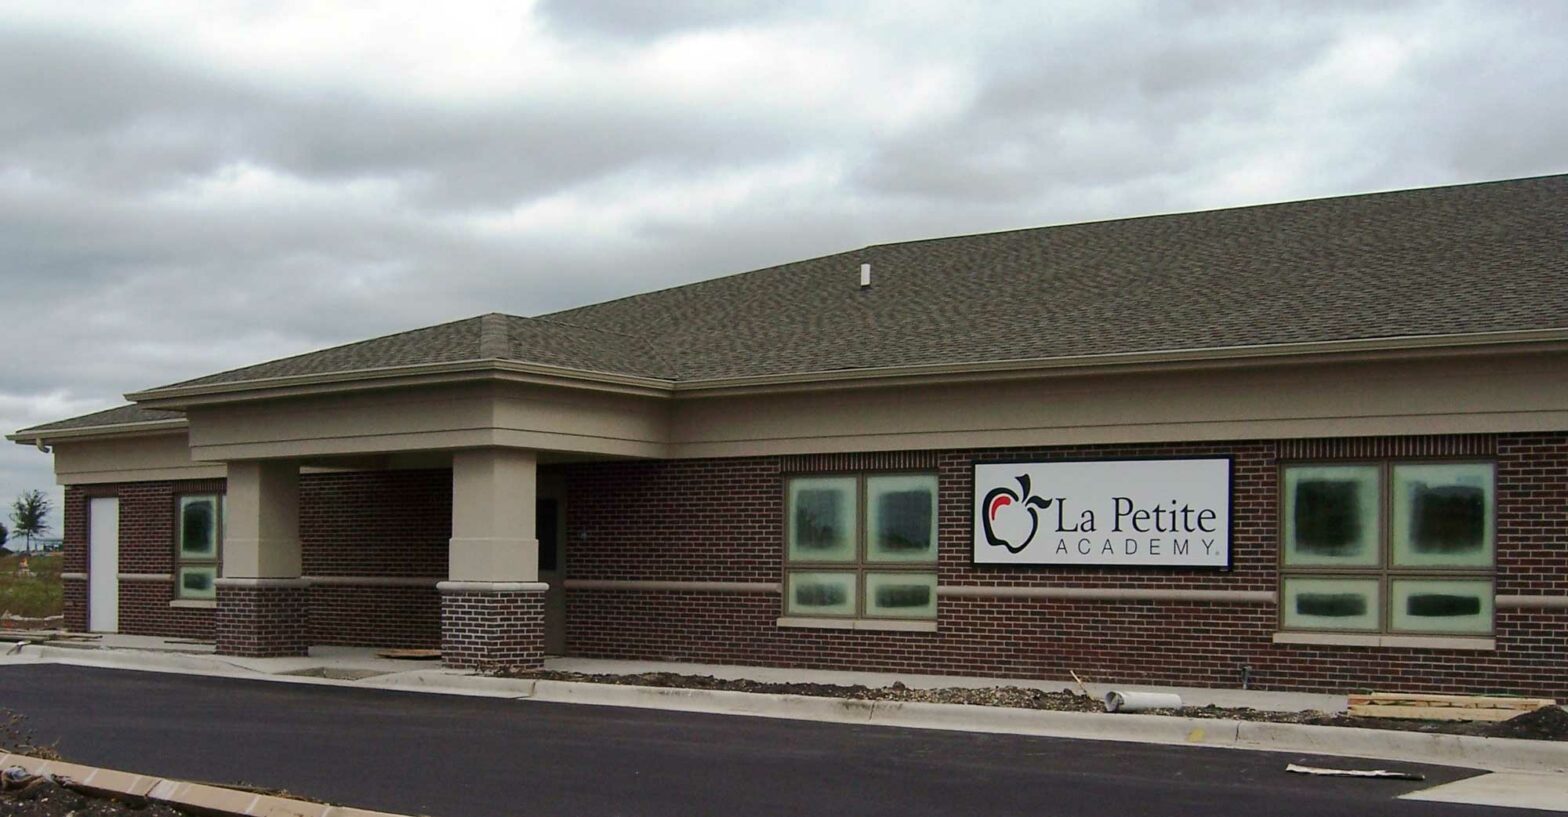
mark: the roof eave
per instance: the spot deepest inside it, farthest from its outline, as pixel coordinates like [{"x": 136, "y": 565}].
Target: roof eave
[
  {"x": 1401, "y": 346},
  {"x": 515, "y": 371},
  {"x": 181, "y": 397},
  {"x": 38, "y": 436}
]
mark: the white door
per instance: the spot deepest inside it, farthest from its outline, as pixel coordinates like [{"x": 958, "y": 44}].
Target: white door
[{"x": 103, "y": 565}]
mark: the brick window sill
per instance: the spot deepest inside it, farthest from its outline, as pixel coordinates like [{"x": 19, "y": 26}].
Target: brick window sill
[
  {"x": 868, "y": 625},
  {"x": 194, "y": 604},
  {"x": 1426, "y": 642}
]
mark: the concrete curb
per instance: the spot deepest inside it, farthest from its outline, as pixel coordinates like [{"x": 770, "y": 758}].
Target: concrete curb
[
  {"x": 197, "y": 797},
  {"x": 1494, "y": 754}
]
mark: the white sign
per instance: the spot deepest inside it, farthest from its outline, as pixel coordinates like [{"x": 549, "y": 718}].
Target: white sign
[{"x": 1134, "y": 513}]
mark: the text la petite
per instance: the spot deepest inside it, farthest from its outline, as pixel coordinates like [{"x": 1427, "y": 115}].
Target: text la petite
[{"x": 1126, "y": 516}]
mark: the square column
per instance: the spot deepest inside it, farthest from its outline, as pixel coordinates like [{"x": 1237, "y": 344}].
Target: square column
[
  {"x": 262, "y": 602},
  {"x": 492, "y": 606}
]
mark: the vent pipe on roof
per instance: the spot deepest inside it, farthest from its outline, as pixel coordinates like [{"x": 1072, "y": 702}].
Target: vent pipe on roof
[{"x": 865, "y": 276}]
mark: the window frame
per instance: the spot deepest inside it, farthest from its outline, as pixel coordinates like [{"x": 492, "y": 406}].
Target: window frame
[
  {"x": 861, "y": 564},
  {"x": 178, "y": 559},
  {"x": 1383, "y": 571}
]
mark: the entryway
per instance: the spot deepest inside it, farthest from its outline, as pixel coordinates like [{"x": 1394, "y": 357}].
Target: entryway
[
  {"x": 550, "y": 528},
  {"x": 103, "y": 564}
]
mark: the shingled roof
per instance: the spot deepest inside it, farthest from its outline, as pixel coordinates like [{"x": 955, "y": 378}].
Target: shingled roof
[
  {"x": 1464, "y": 259},
  {"x": 118, "y": 416}
]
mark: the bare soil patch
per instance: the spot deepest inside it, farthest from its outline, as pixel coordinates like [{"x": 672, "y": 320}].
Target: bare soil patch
[{"x": 1545, "y": 724}]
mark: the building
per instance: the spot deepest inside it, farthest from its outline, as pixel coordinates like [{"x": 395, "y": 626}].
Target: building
[{"x": 1318, "y": 445}]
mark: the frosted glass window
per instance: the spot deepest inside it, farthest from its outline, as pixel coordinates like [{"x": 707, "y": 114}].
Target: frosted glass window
[
  {"x": 901, "y": 595},
  {"x": 820, "y": 594},
  {"x": 901, "y": 519},
  {"x": 1331, "y": 604},
  {"x": 198, "y": 582},
  {"x": 1332, "y": 515},
  {"x": 199, "y": 527},
  {"x": 1441, "y": 606},
  {"x": 821, "y": 519},
  {"x": 1444, "y": 515}
]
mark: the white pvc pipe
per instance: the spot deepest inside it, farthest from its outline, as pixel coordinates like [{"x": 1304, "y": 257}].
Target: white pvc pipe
[{"x": 1139, "y": 701}]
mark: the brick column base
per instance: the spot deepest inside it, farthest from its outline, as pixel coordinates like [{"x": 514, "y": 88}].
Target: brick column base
[
  {"x": 492, "y": 625},
  {"x": 263, "y": 618}
]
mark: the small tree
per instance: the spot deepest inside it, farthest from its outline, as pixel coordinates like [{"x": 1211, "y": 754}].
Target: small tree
[
  {"x": 5, "y": 535},
  {"x": 30, "y": 515}
]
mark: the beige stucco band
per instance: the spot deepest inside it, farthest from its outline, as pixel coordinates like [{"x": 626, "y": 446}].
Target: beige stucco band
[
  {"x": 492, "y": 587},
  {"x": 371, "y": 581},
  {"x": 262, "y": 583},
  {"x": 671, "y": 586}
]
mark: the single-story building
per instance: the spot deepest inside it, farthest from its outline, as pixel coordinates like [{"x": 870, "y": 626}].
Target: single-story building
[{"x": 1319, "y": 445}]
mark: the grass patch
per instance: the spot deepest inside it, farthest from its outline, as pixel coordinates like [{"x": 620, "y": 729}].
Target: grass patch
[{"x": 35, "y": 596}]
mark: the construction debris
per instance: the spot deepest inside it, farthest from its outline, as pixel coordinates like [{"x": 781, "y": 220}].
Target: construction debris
[
  {"x": 1443, "y": 707},
  {"x": 1383, "y": 773},
  {"x": 411, "y": 655}
]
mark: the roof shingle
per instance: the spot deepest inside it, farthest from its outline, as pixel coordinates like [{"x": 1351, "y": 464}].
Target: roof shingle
[{"x": 1449, "y": 260}]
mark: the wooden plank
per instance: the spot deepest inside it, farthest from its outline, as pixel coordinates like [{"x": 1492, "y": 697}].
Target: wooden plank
[
  {"x": 1466, "y": 701},
  {"x": 1431, "y": 713}
]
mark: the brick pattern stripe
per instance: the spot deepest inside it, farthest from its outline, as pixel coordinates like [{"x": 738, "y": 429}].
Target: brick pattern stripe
[
  {"x": 262, "y": 622},
  {"x": 492, "y": 630},
  {"x": 1345, "y": 448},
  {"x": 868, "y": 461}
]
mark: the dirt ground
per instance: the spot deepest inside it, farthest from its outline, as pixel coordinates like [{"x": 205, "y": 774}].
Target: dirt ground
[
  {"x": 1545, "y": 724},
  {"x": 44, "y": 798}
]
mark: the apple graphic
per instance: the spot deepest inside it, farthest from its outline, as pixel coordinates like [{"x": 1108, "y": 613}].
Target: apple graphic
[{"x": 1011, "y": 518}]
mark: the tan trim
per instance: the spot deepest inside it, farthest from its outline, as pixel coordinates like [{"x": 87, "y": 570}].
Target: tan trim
[
  {"x": 74, "y": 577},
  {"x": 194, "y": 604},
  {"x": 265, "y": 582},
  {"x": 492, "y": 587},
  {"x": 1533, "y": 602},
  {"x": 672, "y": 586},
  {"x": 1107, "y": 594},
  {"x": 372, "y": 581},
  {"x": 29, "y": 437},
  {"x": 146, "y": 577},
  {"x": 202, "y": 471},
  {"x": 398, "y": 376},
  {"x": 858, "y": 624},
  {"x": 1424, "y": 642}
]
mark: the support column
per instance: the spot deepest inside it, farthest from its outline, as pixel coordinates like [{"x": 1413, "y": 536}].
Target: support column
[
  {"x": 492, "y": 606},
  {"x": 263, "y": 604}
]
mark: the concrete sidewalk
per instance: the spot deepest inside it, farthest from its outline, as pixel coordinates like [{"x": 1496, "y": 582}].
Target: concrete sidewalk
[
  {"x": 361, "y": 668},
  {"x": 355, "y": 664}
]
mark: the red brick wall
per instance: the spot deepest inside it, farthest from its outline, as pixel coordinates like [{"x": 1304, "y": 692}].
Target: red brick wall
[
  {"x": 720, "y": 520},
  {"x": 383, "y": 523},
  {"x": 147, "y": 512},
  {"x": 376, "y": 523},
  {"x": 493, "y": 630}
]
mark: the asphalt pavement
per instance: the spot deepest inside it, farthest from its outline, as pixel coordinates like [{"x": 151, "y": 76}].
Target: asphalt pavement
[{"x": 452, "y": 756}]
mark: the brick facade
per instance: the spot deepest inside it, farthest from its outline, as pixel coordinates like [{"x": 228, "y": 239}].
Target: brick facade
[
  {"x": 382, "y": 524},
  {"x": 262, "y": 618},
  {"x": 721, "y": 520},
  {"x": 489, "y": 629},
  {"x": 386, "y": 524}
]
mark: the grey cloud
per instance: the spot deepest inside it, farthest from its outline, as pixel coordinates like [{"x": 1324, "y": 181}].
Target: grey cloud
[
  {"x": 114, "y": 286},
  {"x": 650, "y": 19}
]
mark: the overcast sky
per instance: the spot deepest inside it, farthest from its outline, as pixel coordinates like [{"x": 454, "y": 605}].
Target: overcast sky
[{"x": 186, "y": 188}]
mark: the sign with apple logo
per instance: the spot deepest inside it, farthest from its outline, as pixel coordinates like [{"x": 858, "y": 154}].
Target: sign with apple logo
[{"x": 1135, "y": 513}]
